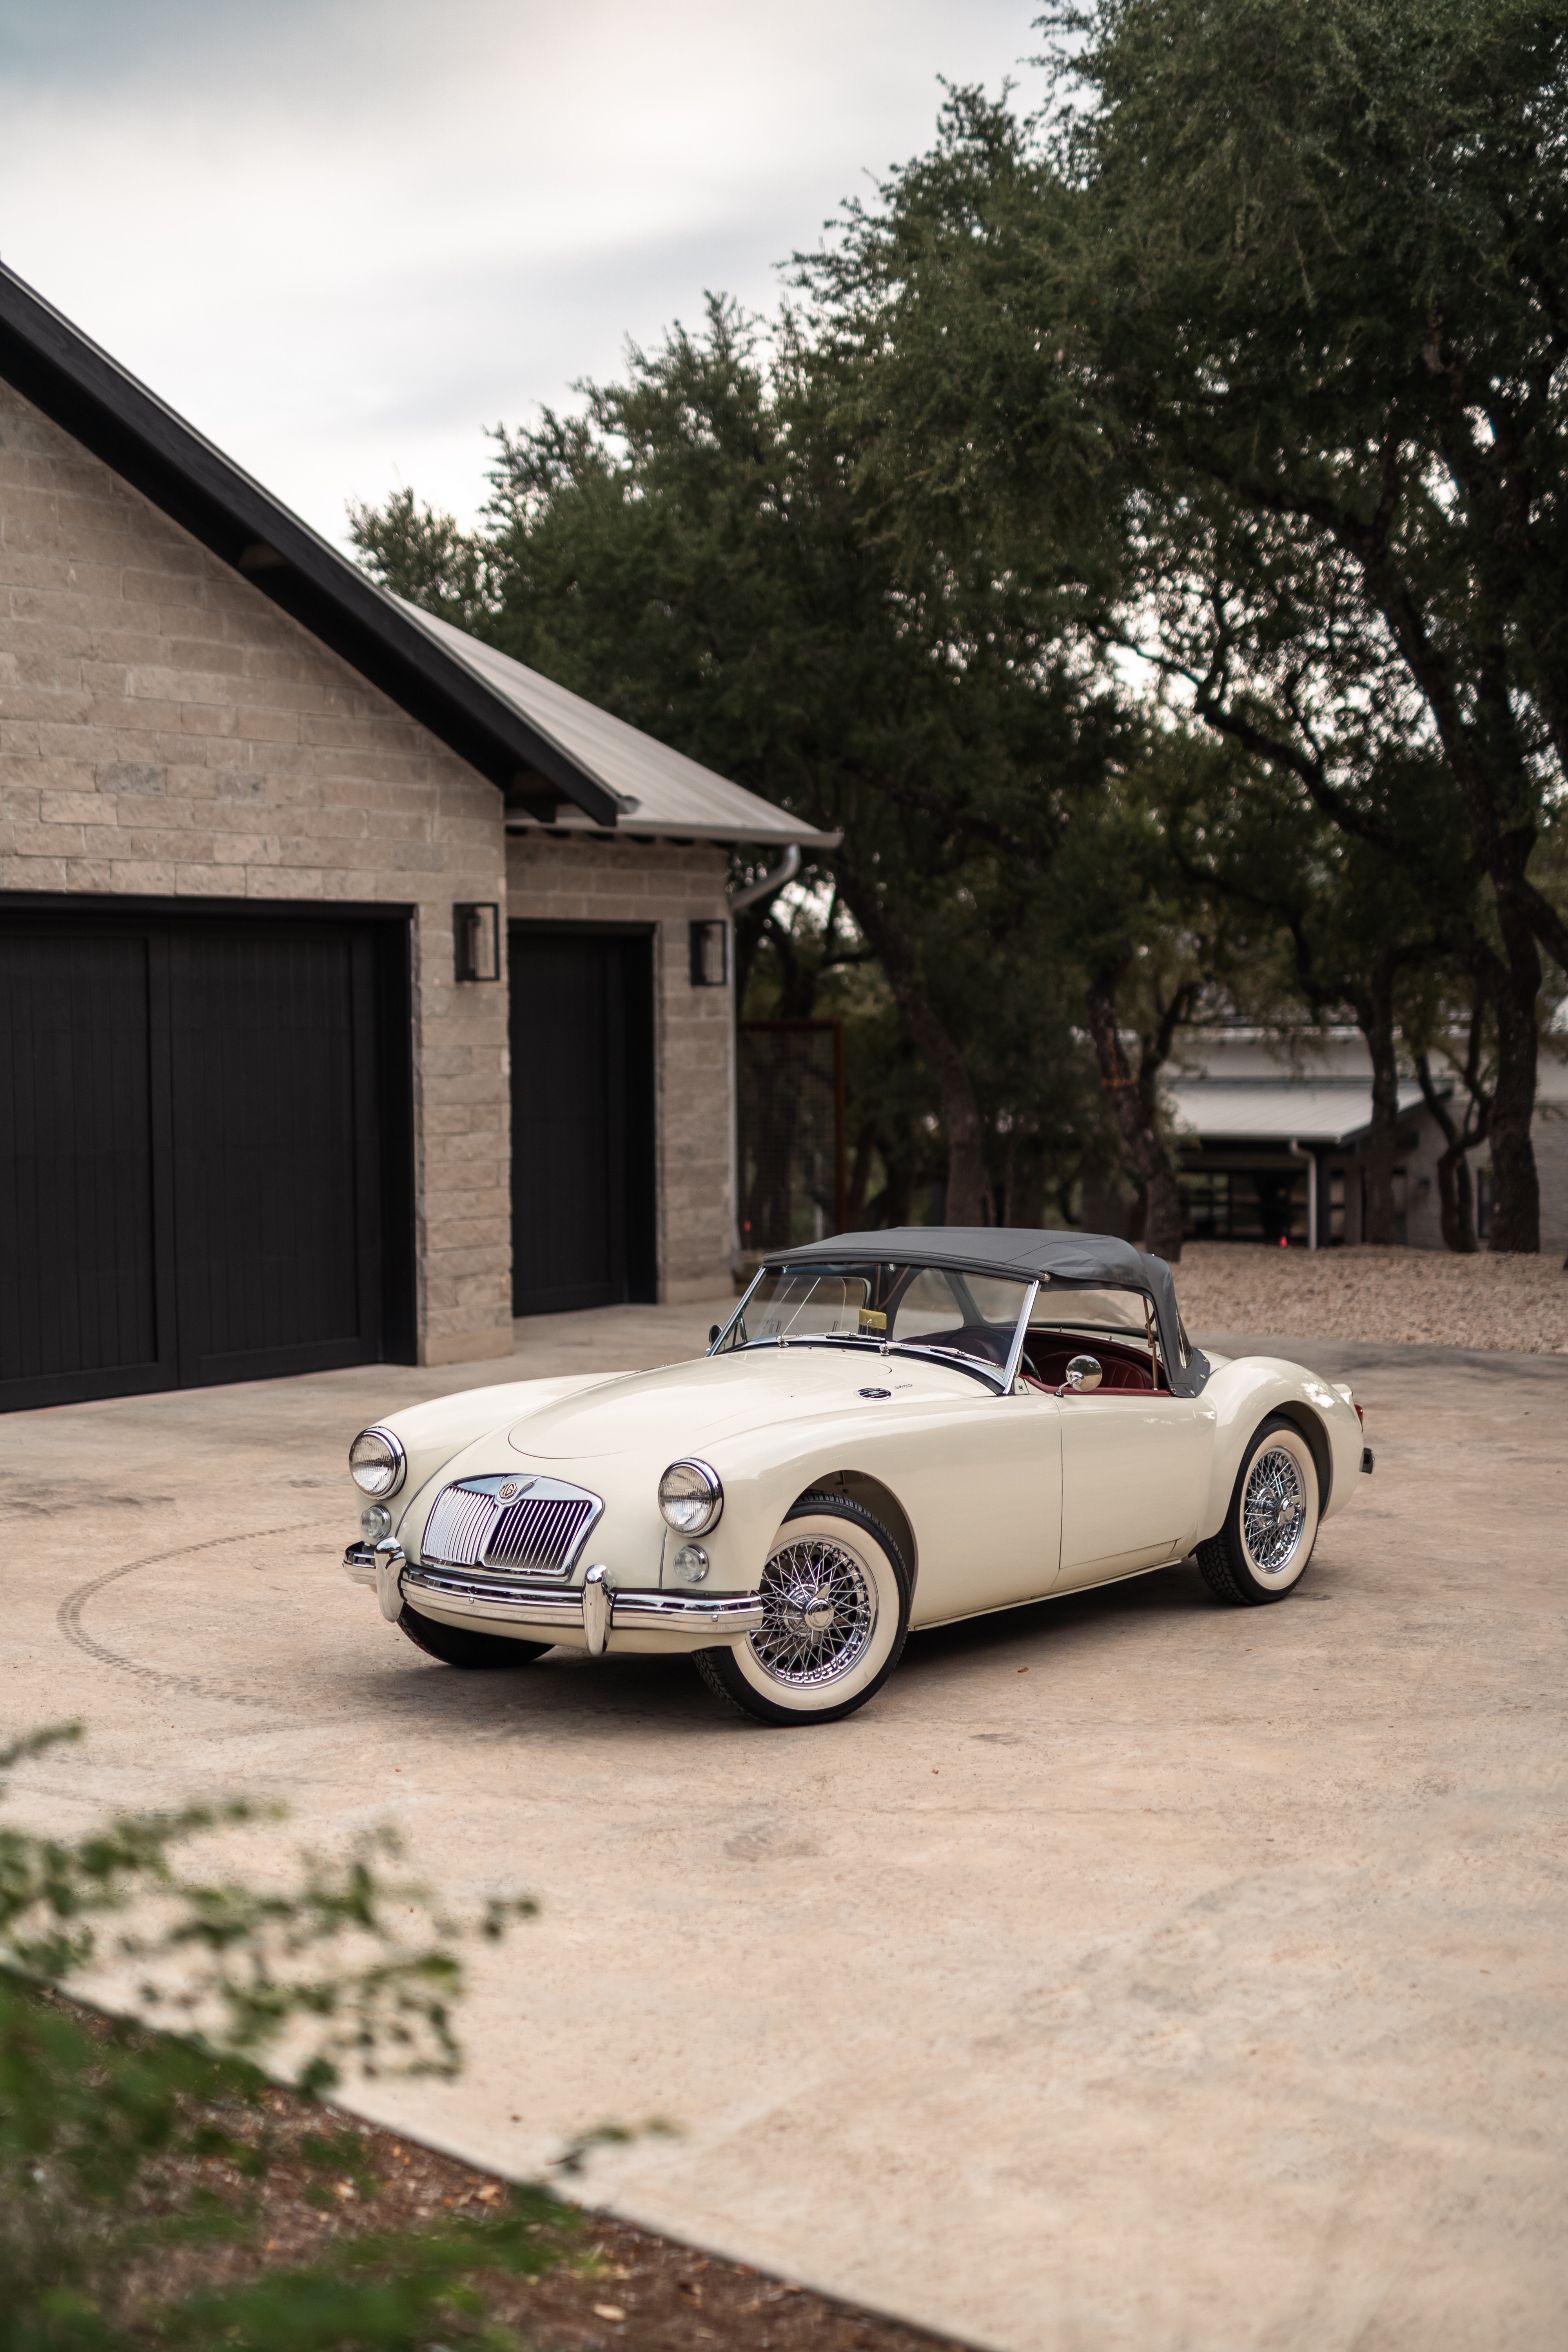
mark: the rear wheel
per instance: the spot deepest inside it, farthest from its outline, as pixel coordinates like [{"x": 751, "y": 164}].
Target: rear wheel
[
  {"x": 1266, "y": 1541},
  {"x": 460, "y": 1645},
  {"x": 836, "y": 1600}
]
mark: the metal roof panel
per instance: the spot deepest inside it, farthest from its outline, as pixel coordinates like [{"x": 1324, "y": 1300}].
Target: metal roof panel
[{"x": 660, "y": 789}]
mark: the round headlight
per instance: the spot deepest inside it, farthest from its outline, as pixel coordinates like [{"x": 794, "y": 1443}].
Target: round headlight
[
  {"x": 377, "y": 1463},
  {"x": 690, "y": 1497}
]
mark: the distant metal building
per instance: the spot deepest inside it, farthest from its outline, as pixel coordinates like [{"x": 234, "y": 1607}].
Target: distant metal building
[{"x": 1271, "y": 1142}]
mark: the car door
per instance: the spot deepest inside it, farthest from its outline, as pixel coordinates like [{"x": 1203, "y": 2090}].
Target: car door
[
  {"x": 1135, "y": 1470},
  {"x": 985, "y": 1494}
]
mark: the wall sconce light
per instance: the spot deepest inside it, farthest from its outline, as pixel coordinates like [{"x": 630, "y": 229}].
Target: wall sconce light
[
  {"x": 710, "y": 955},
  {"x": 476, "y": 942}
]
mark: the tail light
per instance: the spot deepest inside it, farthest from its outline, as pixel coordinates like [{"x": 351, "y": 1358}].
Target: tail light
[{"x": 1359, "y": 1413}]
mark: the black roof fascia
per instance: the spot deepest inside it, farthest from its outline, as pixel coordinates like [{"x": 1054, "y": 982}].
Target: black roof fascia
[{"x": 88, "y": 394}]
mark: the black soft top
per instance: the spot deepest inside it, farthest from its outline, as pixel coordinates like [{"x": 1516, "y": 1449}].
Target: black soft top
[{"x": 1067, "y": 1261}]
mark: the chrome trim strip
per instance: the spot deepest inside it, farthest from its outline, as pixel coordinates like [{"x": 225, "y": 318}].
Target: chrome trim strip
[
  {"x": 727, "y": 1615},
  {"x": 534, "y": 1604},
  {"x": 389, "y": 1565},
  {"x": 598, "y": 1605},
  {"x": 730, "y": 1614},
  {"x": 359, "y": 1565}
]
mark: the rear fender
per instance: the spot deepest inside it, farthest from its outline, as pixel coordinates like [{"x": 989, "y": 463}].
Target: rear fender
[{"x": 1243, "y": 1394}]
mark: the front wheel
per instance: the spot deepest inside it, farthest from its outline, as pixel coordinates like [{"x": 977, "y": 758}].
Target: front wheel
[
  {"x": 836, "y": 1603},
  {"x": 1261, "y": 1551},
  {"x": 457, "y": 1646}
]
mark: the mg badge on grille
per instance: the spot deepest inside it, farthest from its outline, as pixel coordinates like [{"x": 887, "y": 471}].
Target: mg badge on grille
[{"x": 514, "y": 1486}]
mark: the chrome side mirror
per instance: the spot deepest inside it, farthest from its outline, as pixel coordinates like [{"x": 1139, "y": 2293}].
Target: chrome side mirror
[{"x": 1084, "y": 1377}]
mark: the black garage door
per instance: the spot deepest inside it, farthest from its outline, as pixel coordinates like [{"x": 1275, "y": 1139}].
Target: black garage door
[
  {"x": 198, "y": 1122},
  {"x": 582, "y": 1116}
]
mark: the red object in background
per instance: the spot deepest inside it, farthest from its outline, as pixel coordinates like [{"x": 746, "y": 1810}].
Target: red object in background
[{"x": 1284, "y": 1240}]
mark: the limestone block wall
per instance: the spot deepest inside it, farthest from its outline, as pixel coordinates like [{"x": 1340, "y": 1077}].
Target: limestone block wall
[
  {"x": 558, "y": 876},
  {"x": 165, "y": 732}
]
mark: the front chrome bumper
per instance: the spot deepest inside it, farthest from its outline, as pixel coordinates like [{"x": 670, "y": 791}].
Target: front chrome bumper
[{"x": 592, "y": 1609}]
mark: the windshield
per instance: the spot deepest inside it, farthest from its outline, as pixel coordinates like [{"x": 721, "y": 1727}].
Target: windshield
[{"x": 970, "y": 1316}]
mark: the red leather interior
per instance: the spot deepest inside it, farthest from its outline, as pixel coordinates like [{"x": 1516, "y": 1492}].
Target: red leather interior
[{"x": 1122, "y": 1372}]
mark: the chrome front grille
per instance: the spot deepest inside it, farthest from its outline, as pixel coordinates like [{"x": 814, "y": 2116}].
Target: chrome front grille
[
  {"x": 541, "y": 1531},
  {"x": 507, "y": 1522},
  {"x": 457, "y": 1529}
]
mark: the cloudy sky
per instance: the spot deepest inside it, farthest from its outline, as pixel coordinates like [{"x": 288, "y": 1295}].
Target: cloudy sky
[{"x": 342, "y": 237}]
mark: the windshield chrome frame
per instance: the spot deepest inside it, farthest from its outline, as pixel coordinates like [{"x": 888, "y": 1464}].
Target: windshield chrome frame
[
  {"x": 714, "y": 1345},
  {"x": 1019, "y": 1336}
]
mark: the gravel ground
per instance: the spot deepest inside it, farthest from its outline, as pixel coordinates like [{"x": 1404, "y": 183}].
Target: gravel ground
[{"x": 1399, "y": 1295}]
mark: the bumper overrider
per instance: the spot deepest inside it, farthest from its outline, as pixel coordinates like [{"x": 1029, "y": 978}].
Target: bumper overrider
[{"x": 591, "y": 1612}]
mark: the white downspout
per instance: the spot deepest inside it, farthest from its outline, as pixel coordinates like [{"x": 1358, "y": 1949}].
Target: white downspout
[{"x": 785, "y": 871}]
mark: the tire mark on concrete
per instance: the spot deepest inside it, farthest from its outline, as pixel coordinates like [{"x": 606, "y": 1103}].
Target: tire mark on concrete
[{"x": 68, "y": 1616}]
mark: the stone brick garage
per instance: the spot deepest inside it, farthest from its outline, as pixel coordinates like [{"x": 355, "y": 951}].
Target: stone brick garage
[{"x": 359, "y": 988}]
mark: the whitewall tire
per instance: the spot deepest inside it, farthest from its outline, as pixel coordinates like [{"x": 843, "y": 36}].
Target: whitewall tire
[
  {"x": 1262, "y": 1551},
  {"x": 837, "y": 1602}
]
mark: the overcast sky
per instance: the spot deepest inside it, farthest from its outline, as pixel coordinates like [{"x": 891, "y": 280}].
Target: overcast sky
[{"x": 342, "y": 236}]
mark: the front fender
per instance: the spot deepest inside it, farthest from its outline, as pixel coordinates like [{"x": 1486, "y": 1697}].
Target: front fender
[{"x": 1243, "y": 1393}]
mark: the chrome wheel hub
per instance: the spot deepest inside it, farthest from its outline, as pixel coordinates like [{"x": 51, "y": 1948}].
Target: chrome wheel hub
[
  {"x": 1273, "y": 1511},
  {"x": 807, "y": 1610},
  {"x": 819, "y": 1611}
]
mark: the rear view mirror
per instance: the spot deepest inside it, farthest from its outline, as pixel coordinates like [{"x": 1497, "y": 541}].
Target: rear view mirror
[
  {"x": 1084, "y": 1377},
  {"x": 712, "y": 1333}
]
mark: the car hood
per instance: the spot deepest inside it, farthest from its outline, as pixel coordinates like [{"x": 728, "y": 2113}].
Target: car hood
[{"x": 683, "y": 1407}]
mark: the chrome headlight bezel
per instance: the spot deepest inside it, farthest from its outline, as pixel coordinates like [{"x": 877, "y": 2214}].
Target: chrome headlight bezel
[
  {"x": 377, "y": 1473},
  {"x": 690, "y": 1496}
]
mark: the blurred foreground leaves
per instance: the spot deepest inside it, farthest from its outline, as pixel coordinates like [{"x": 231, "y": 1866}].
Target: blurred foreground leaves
[{"x": 106, "y": 2125}]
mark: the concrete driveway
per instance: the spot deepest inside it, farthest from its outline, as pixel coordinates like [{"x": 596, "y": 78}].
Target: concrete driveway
[{"x": 1134, "y": 1972}]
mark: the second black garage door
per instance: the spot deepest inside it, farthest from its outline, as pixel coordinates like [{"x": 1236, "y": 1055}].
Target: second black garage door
[
  {"x": 582, "y": 1115},
  {"x": 203, "y": 1145}
]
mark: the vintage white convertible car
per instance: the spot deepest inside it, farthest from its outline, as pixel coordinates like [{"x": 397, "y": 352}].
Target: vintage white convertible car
[{"x": 892, "y": 1430}]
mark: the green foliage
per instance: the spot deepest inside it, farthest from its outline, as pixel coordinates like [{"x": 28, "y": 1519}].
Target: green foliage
[
  {"x": 1224, "y": 400},
  {"x": 1259, "y": 336},
  {"x": 99, "y": 2121},
  {"x": 703, "y": 552}
]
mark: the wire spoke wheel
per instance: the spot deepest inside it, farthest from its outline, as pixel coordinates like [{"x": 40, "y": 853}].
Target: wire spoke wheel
[
  {"x": 1260, "y": 1552},
  {"x": 819, "y": 1613},
  {"x": 836, "y": 1608},
  {"x": 1274, "y": 1511}
]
